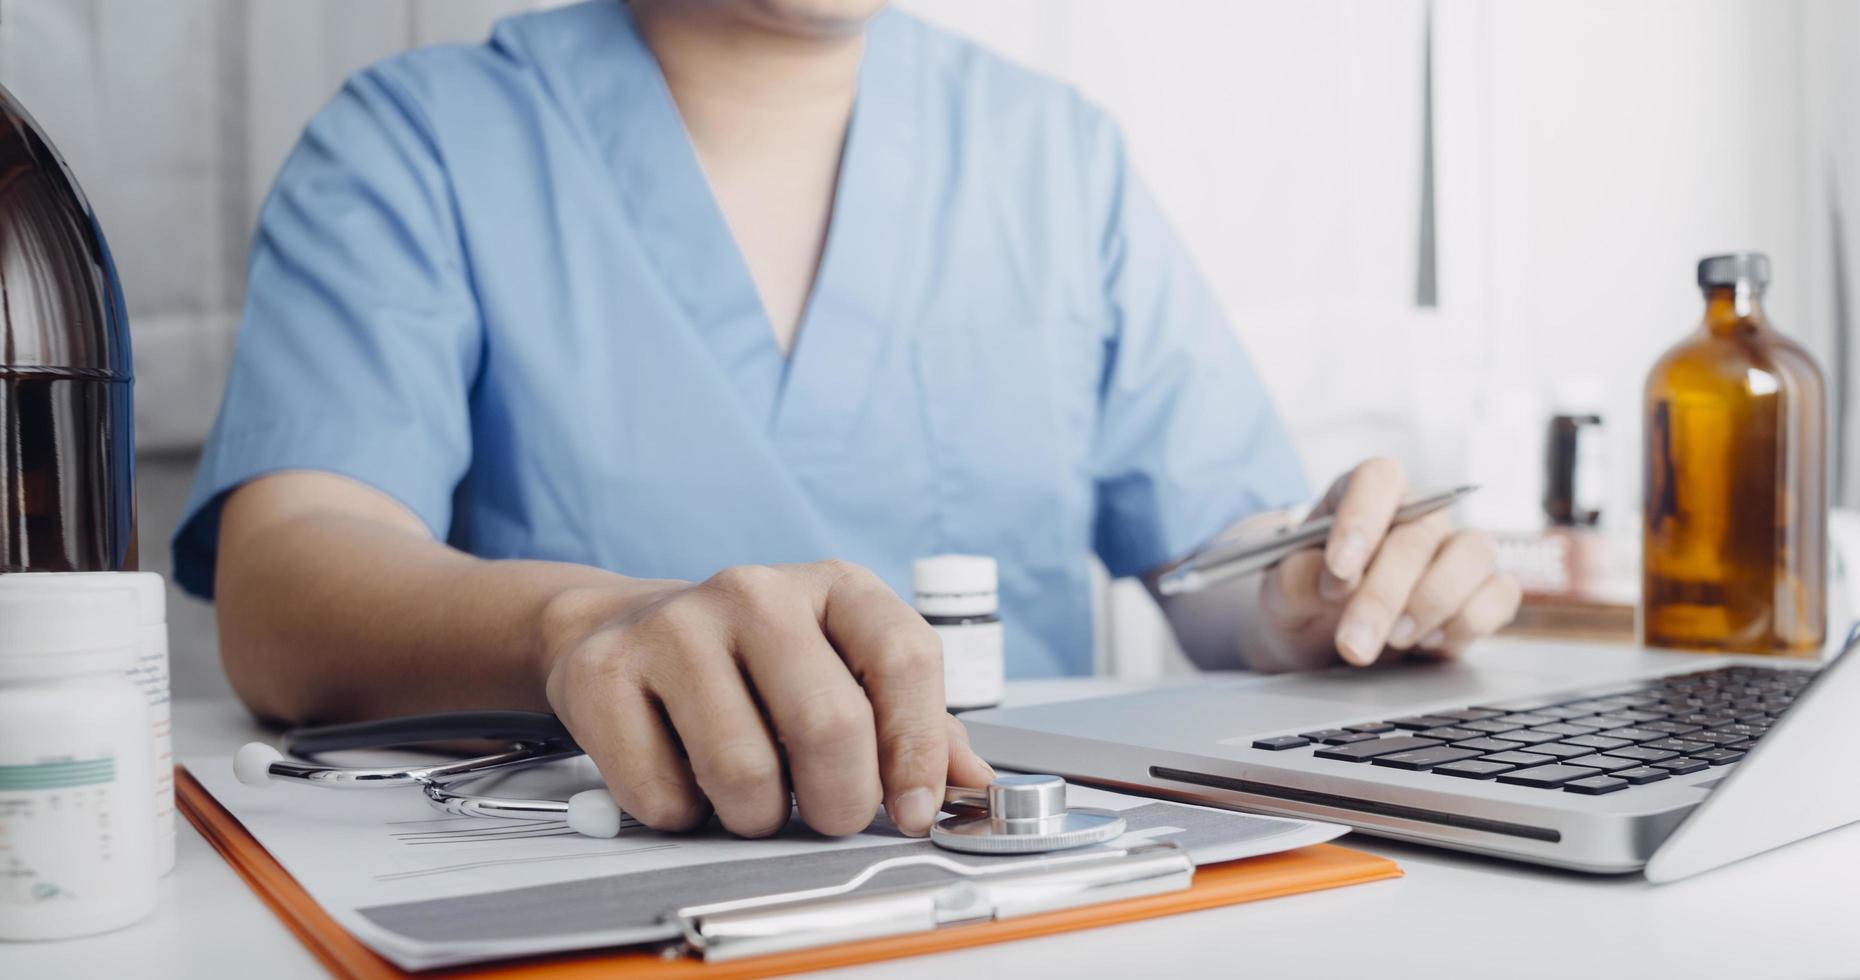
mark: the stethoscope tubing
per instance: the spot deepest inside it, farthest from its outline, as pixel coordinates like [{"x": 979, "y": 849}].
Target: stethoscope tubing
[{"x": 979, "y": 823}]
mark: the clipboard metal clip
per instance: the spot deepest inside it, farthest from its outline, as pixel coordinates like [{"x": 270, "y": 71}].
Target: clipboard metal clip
[{"x": 959, "y": 894}]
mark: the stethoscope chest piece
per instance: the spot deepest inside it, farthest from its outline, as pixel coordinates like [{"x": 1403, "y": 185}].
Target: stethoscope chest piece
[{"x": 1023, "y": 814}]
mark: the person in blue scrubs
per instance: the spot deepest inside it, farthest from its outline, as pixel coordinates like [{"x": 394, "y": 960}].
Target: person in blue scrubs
[{"x": 621, "y": 365}]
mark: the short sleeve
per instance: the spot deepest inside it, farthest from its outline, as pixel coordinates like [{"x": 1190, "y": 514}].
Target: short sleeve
[
  {"x": 360, "y": 335},
  {"x": 1188, "y": 441}
]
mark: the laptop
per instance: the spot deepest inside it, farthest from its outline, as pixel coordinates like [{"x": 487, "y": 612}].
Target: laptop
[{"x": 1592, "y": 758}]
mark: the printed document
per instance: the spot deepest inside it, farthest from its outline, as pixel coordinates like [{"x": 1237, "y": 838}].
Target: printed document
[{"x": 426, "y": 889}]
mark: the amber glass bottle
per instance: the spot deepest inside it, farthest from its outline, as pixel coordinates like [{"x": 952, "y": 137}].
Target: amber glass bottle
[
  {"x": 67, "y": 416},
  {"x": 1736, "y": 511}
]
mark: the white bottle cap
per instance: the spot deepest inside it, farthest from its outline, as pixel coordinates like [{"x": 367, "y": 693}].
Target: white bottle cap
[
  {"x": 50, "y": 630},
  {"x": 151, "y": 591},
  {"x": 955, "y": 585}
]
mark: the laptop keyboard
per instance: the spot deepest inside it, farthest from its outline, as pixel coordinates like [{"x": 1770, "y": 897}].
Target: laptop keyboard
[{"x": 1588, "y": 742}]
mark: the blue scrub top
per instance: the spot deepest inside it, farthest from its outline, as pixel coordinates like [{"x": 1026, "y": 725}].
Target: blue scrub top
[{"x": 492, "y": 282}]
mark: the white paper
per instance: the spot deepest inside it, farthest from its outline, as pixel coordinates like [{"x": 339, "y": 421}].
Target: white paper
[{"x": 427, "y": 889}]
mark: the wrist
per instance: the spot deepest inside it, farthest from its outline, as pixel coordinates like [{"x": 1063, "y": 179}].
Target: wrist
[{"x": 576, "y": 612}]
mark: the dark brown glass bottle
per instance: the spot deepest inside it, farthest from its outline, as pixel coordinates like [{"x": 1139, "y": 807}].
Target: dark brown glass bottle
[
  {"x": 67, "y": 418},
  {"x": 1734, "y": 548}
]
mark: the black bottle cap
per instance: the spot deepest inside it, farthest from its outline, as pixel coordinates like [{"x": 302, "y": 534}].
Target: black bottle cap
[{"x": 1729, "y": 270}]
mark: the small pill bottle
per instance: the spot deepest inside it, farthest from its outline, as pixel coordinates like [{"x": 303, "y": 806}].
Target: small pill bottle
[
  {"x": 77, "y": 815},
  {"x": 956, "y": 594},
  {"x": 149, "y": 673}
]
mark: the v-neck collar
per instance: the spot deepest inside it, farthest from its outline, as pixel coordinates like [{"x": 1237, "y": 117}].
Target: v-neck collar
[{"x": 809, "y": 398}]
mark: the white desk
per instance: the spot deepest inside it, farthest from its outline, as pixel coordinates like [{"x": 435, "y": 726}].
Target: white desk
[{"x": 1793, "y": 913}]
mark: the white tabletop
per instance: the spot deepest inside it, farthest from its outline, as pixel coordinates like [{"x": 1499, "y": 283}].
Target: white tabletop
[{"x": 1791, "y": 913}]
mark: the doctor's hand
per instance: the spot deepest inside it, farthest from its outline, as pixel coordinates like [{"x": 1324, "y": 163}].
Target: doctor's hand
[
  {"x": 729, "y": 694},
  {"x": 1376, "y": 590}
]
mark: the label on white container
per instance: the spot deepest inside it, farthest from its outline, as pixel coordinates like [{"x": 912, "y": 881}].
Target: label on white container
[
  {"x": 60, "y": 840},
  {"x": 974, "y": 664},
  {"x": 150, "y": 675}
]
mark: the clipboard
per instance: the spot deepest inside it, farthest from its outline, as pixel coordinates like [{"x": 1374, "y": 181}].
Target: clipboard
[{"x": 1287, "y": 873}]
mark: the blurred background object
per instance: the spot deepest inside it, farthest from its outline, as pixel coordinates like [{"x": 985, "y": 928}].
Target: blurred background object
[{"x": 1420, "y": 215}]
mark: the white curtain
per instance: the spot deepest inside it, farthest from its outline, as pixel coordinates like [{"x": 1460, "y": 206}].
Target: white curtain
[{"x": 175, "y": 115}]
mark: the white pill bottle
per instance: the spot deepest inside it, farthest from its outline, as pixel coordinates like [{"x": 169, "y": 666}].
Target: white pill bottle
[
  {"x": 77, "y": 820},
  {"x": 956, "y": 595},
  {"x": 149, "y": 673}
]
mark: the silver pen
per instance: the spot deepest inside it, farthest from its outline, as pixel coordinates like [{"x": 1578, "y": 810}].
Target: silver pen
[{"x": 1225, "y": 560}]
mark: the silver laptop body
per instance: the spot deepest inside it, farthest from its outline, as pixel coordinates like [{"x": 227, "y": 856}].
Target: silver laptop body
[{"x": 1194, "y": 742}]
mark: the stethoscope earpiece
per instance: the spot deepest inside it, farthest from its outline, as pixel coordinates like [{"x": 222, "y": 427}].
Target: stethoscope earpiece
[
  {"x": 252, "y": 764},
  {"x": 593, "y": 813}
]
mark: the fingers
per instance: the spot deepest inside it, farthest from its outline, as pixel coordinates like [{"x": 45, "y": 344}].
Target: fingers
[
  {"x": 1490, "y": 608},
  {"x": 820, "y": 714},
  {"x": 1376, "y": 605},
  {"x": 1463, "y": 565},
  {"x": 1360, "y": 518},
  {"x": 1292, "y": 598},
  {"x": 729, "y": 747},
  {"x": 639, "y": 759},
  {"x": 965, "y": 767},
  {"x": 898, "y": 660}
]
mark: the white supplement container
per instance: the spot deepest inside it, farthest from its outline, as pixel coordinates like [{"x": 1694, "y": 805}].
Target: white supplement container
[
  {"x": 149, "y": 673},
  {"x": 956, "y": 594},
  {"x": 77, "y": 825}
]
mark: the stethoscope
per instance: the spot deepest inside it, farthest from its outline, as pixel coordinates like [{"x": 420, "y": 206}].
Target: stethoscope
[{"x": 1015, "y": 814}]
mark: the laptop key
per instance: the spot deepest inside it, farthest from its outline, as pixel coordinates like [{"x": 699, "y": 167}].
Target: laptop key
[
  {"x": 1680, "y": 767},
  {"x": 1525, "y": 704},
  {"x": 1601, "y": 742},
  {"x": 1564, "y": 728},
  {"x": 1450, "y": 734},
  {"x": 1634, "y": 734},
  {"x": 1280, "y": 743},
  {"x": 1718, "y": 757},
  {"x": 1643, "y": 753},
  {"x": 1364, "y": 751},
  {"x": 1371, "y": 727},
  {"x": 1347, "y": 738},
  {"x": 1641, "y": 774},
  {"x": 1679, "y": 745},
  {"x": 1473, "y": 768},
  {"x": 1525, "y": 736},
  {"x": 1486, "y": 745},
  {"x": 1490, "y": 725},
  {"x": 1560, "y": 751},
  {"x": 1467, "y": 714},
  {"x": 1715, "y": 738},
  {"x": 1323, "y": 733},
  {"x": 1546, "y": 777},
  {"x": 1420, "y": 759},
  {"x": 1605, "y": 763},
  {"x": 1421, "y": 722},
  {"x": 1527, "y": 719},
  {"x": 1595, "y": 785},
  {"x": 1670, "y": 727},
  {"x": 1519, "y": 758}
]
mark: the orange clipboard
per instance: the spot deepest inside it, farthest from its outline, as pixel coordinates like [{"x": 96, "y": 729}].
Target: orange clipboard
[{"x": 1288, "y": 873}]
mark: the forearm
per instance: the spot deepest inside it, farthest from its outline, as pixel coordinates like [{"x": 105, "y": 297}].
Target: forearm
[{"x": 331, "y": 615}]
